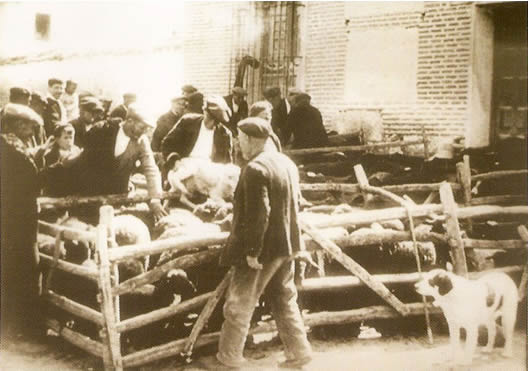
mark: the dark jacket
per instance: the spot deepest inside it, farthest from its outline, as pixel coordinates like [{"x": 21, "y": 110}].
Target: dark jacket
[
  {"x": 52, "y": 115},
  {"x": 80, "y": 131},
  {"x": 305, "y": 123},
  {"x": 165, "y": 123},
  {"x": 120, "y": 111},
  {"x": 182, "y": 138},
  {"x": 279, "y": 118},
  {"x": 236, "y": 116},
  {"x": 265, "y": 211}
]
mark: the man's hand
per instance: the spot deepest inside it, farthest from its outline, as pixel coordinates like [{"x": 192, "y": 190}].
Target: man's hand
[
  {"x": 253, "y": 262},
  {"x": 157, "y": 209}
]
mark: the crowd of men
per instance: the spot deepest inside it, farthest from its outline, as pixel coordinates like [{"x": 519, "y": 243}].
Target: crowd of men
[{"x": 65, "y": 143}]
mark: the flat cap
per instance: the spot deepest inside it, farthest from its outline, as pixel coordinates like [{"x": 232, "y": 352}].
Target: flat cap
[
  {"x": 294, "y": 91},
  {"x": 38, "y": 97},
  {"x": 18, "y": 92},
  {"x": 20, "y": 112},
  {"x": 138, "y": 113},
  {"x": 188, "y": 89},
  {"x": 218, "y": 108},
  {"x": 255, "y": 127},
  {"x": 272, "y": 92},
  {"x": 130, "y": 95},
  {"x": 178, "y": 98},
  {"x": 91, "y": 104},
  {"x": 238, "y": 90}
]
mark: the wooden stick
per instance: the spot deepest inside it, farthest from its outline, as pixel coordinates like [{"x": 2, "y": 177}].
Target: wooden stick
[
  {"x": 159, "y": 314},
  {"x": 354, "y": 267},
  {"x": 430, "y": 198},
  {"x": 50, "y": 203},
  {"x": 65, "y": 266},
  {"x": 84, "y": 342},
  {"x": 425, "y": 143},
  {"x": 498, "y": 174},
  {"x": 346, "y": 282},
  {"x": 74, "y": 308},
  {"x": 111, "y": 341},
  {"x": 175, "y": 244},
  {"x": 493, "y": 200},
  {"x": 470, "y": 243},
  {"x": 453, "y": 230},
  {"x": 182, "y": 262},
  {"x": 364, "y": 147},
  {"x": 206, "y": 313},
  {"x": 56, "y": 255},
  {"x": 355, "y": 188},
  {"x": 175, "y": 347},
  {"x": 363, "y": 183},
  {"x": 67, "y": 233},
  {"x": 523, "y": 232},
  {"x": 485, "y": 211}
]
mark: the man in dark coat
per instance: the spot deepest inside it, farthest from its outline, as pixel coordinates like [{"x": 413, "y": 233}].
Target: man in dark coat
[
  {"x": 121, "y": 110},
  {"x": 238, "y": 106},
  {"x": 265, "y": 237},
  {"x": 204, "y": 136},
  {"x": 19, "y": 255},
  {"x": 281, "y": 108},
  {"x": 90, "y": 110},
  {"x": 305, "y": 123},
  {"x": 110, "y": 155},
  {"x": 55, "y": 112},
  {"x": 167, "y": 121},
  {"x": 17, "y": 95}
]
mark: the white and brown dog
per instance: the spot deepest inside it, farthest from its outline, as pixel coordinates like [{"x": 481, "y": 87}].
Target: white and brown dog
[{"x": 470, "y": 303}]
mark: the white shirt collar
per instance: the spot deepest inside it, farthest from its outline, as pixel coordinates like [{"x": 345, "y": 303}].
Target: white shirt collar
[
  {"x": 288, "y": 107},
  {"x": 122, "y": 141}
]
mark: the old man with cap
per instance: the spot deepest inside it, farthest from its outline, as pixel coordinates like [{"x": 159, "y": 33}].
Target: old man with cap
[
  {"x": 305, "y": 124},
  {"x": 202, "y": 136},
  {"x": 167, "y": 121},
  {"x": 90, "y": 110},
  {"x": 236, "y": 101},
  {"x": 17, "y": 95},
  {"x": 110, "y": 155},
  {"x": 121, "y": 110},
  {"x": 265, "y": 236},
  {"x": 19, "y": 255}
]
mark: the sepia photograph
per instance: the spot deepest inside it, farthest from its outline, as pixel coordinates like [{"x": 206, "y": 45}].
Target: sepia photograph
[{"x": 263, "y": 185}]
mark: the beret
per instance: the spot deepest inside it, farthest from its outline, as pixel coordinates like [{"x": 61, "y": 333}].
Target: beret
[
  {"x": 272, "y": 92},
  {"x": 91, "y": 104},
  {"x": 255, "y": 127},
  {"x": 189, "y": 89},
  {"x": 21, "y": 112},
  {"x": 218, "y": 108},
  {"x": 240, "y": 91},
  {"x": 138, "y": 113},
  {"x": 16, "y": 91}
]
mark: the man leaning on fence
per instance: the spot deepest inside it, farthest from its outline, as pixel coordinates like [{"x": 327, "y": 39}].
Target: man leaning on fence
[{"x": 264, "y": 236}]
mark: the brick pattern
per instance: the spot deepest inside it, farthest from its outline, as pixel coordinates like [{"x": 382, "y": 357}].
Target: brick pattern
[{"x": 208, "y": 45}]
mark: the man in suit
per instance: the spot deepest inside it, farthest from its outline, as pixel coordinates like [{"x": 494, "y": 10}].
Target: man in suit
[
  {"x": 236, "y": 102},
  {"x": 305, "y": 123},
  {"x": 265, "y": 236},
  {"x": 90, "y": 110},
  {"x": 167, "y": 121},
  {"x": 203, "y": 136},
  {"x": 55, "y": 113},
  {"x": 281, "y": 108},
  {"x": 121, "y": 110},
  {"x": 110, "y": 155}
]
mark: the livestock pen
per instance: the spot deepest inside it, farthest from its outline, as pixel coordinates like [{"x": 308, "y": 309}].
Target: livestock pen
[{"x": 195, "y": 250}]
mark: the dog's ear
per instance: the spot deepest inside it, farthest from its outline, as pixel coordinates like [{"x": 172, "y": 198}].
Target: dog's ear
[
  {"x": 443, "y": 282},
  {"x": 449, "y": 267}
]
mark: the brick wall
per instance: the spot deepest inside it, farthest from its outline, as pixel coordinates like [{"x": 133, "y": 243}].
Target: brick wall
[{"x": 208, "y": 45}]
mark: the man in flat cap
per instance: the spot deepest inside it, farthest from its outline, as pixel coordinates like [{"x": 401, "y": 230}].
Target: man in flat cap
[
  {"x": 188, "y": 90},
  {"x": 121, "y": 110},
  {"x": 167, "y": 121},
  {"x": 202, "y": 136},
  {"x": 265, "y": 236},
  {"x": 55, "y": 112},
  {"x": 90, "y": 110},
  {"x": 236, "y": 101},
  {"x": 19, "y": 255},
  {"x": 17, "y": 95},
  {"x": 110, "y": 155},
  {"x": 194, "y": 103},
  {"x": 281, "y": 108},
  {"x": 305, "y": 123}
]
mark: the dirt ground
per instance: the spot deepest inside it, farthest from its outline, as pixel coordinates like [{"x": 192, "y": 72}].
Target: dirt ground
[{"x": 338, "y": 353}]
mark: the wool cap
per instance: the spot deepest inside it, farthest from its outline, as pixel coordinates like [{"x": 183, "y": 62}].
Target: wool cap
[
  {"x": 21, "y": 112},
  {"x": 255, "y": 127}
]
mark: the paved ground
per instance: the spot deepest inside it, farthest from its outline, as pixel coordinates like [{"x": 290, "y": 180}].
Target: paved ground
[{"x": 339, "y": 353}]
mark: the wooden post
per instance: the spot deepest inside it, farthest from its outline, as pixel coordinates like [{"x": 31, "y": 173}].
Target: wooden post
[
  {"x": 453, "y": 230},
  {"x": 206, "y": 313},
  {"x": 362, "y": 181},
  {"x": 112, "y": 345},
  {"x": 425, "y": 143},
  {"x": 523, "y": 232},
  {"x": 352, "y": 266}
]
